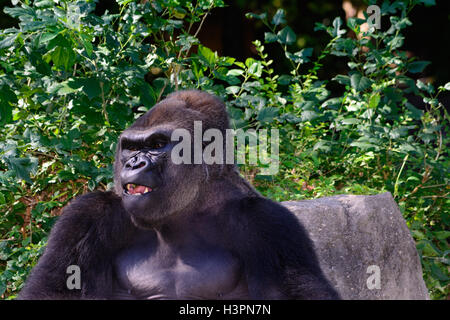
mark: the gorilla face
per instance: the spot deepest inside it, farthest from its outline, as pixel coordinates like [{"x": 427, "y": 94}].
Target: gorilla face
[
  {"x": 152, "y": 186},
  {"x": 142, "y": 156}
]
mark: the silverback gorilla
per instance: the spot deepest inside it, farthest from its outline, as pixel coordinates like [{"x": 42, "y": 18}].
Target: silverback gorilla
[{"x": 177, "y": 231}]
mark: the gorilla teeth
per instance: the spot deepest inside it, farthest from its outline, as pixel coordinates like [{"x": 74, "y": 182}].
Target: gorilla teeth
[{"x": 133, "y": 189}]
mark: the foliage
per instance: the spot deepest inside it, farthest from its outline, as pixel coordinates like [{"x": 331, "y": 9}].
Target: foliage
[{"x": 71, "y": 81}]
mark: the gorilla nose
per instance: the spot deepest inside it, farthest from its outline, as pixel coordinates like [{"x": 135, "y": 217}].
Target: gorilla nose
[
  {"x": 136, "y": 163},
  {"x": 136, "y": 168},
  {"x": 140, "y": 170}
]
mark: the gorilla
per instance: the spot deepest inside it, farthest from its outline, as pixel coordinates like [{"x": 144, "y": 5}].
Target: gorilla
[{"x": 177, "y": 231}]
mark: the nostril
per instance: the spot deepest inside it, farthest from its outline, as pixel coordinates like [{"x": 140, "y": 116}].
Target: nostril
[
  {"x": 140, "y": 165},
  {"x": 136, "y": 163}
]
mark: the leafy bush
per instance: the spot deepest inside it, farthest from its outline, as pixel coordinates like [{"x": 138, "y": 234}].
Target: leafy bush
[{"x": 71, "y": 81}]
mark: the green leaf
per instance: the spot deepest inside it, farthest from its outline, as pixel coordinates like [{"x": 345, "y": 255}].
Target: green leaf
[
  {"x": 267, "y": 115},
  {"x": 8, "y": 41},
  {"x": 342, "y": 79},
  {"x": 92, "y": 88},
  {"x": 255, "y": 69},
  {"x": 65, "y": 88},
  {"x": 414, "y": 112},
  {"x": 60, "y": 52},
  {"x": 186, "y": 41},
  {"x": 235, "y": 72},
  {"x": 359, "y": 82},
  {"x": 232, "y": 89},
  {"x": 7, "y": 100},
  {"x": 43, "y": 3},
  {"x": 147, "y": 95},
  {"x": 2, "y": 284},
  {"x": 353, "y": 65},
  {"x": 270, "y": 37},
  {"x": 350, "y": 121},
  {"x": 428, "y": 87},
  {"x": 47, "y": 36},
  {"x": 442, "y": 235},
  {"x": 396, "y": 42},
  {"x": 301, "y": 56},
  {"x": 428, "y": 3},
  {"x": 87, "y": 44},
  {"x": 353, "y": 23},
  {"x": 374, "y": 101},
  {"x": 251, "y": 15},
  {"x": 89, "y": 86},
  {"x": 236, "y": 117},
  {"x": 5, "y": 112},
  {"x": 207, "y": 55},
  {"x": 24, "y": 13},
  {"x": 279, "y": 17},
  {"x": 123, "y": 2},
  {"x": 22, "y": 167},
  {"x": 363, "y": 145},
  {"x": 323, "y": 145},
  {"x": 320, "y": 26},
  {"x": 428, "y": 248},
  {"x": 417, "y": 66},
  {"x": 437, "y": 273},
  {"x": 285, "y": 79},
  {"x": 286, "y": 35},
  {"x": 418, "y": 234},
  {"x": 309, "y": 115}
]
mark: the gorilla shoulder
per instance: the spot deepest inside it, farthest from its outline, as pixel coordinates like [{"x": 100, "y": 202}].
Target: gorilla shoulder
[{"x": 85, "y": 235}]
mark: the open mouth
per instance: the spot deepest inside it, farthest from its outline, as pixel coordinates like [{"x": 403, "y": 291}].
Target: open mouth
[{"x": 136, "y": 189}]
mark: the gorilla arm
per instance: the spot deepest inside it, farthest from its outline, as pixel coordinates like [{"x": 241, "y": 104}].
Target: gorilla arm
[
  {"x": 278, "y": 256},
  {"x": 90, "y": 230}
]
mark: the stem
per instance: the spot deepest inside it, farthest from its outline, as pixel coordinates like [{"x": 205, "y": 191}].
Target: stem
[
  {"x": 105, "y": 113},
  {"x": 177, "y": 67},
  {"x": 398, "y": 176},
  {"x": 162, "y": 91}
]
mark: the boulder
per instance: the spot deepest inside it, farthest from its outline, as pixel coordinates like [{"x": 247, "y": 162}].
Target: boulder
[{"x": 364, "y": 246}]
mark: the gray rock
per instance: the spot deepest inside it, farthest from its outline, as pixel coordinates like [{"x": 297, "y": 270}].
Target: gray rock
[{"x": 355, "y": 235}]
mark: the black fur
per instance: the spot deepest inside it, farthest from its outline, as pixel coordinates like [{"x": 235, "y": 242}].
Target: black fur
[
  {"x": 276, "y": 250},
  {"x": 91, "y": 229},
  {"x": 276, "y": 253}
]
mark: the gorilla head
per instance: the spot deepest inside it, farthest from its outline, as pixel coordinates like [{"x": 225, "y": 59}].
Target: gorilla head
[{"x": 152, "y": 187}]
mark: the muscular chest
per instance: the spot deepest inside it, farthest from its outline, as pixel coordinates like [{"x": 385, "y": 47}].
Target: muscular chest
[{"x": 152, "y": 271}]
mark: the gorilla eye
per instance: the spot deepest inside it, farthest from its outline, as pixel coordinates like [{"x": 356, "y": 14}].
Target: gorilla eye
[
  {"x": 158, "y": 144},
  {"x": 157, "y": 141}
]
